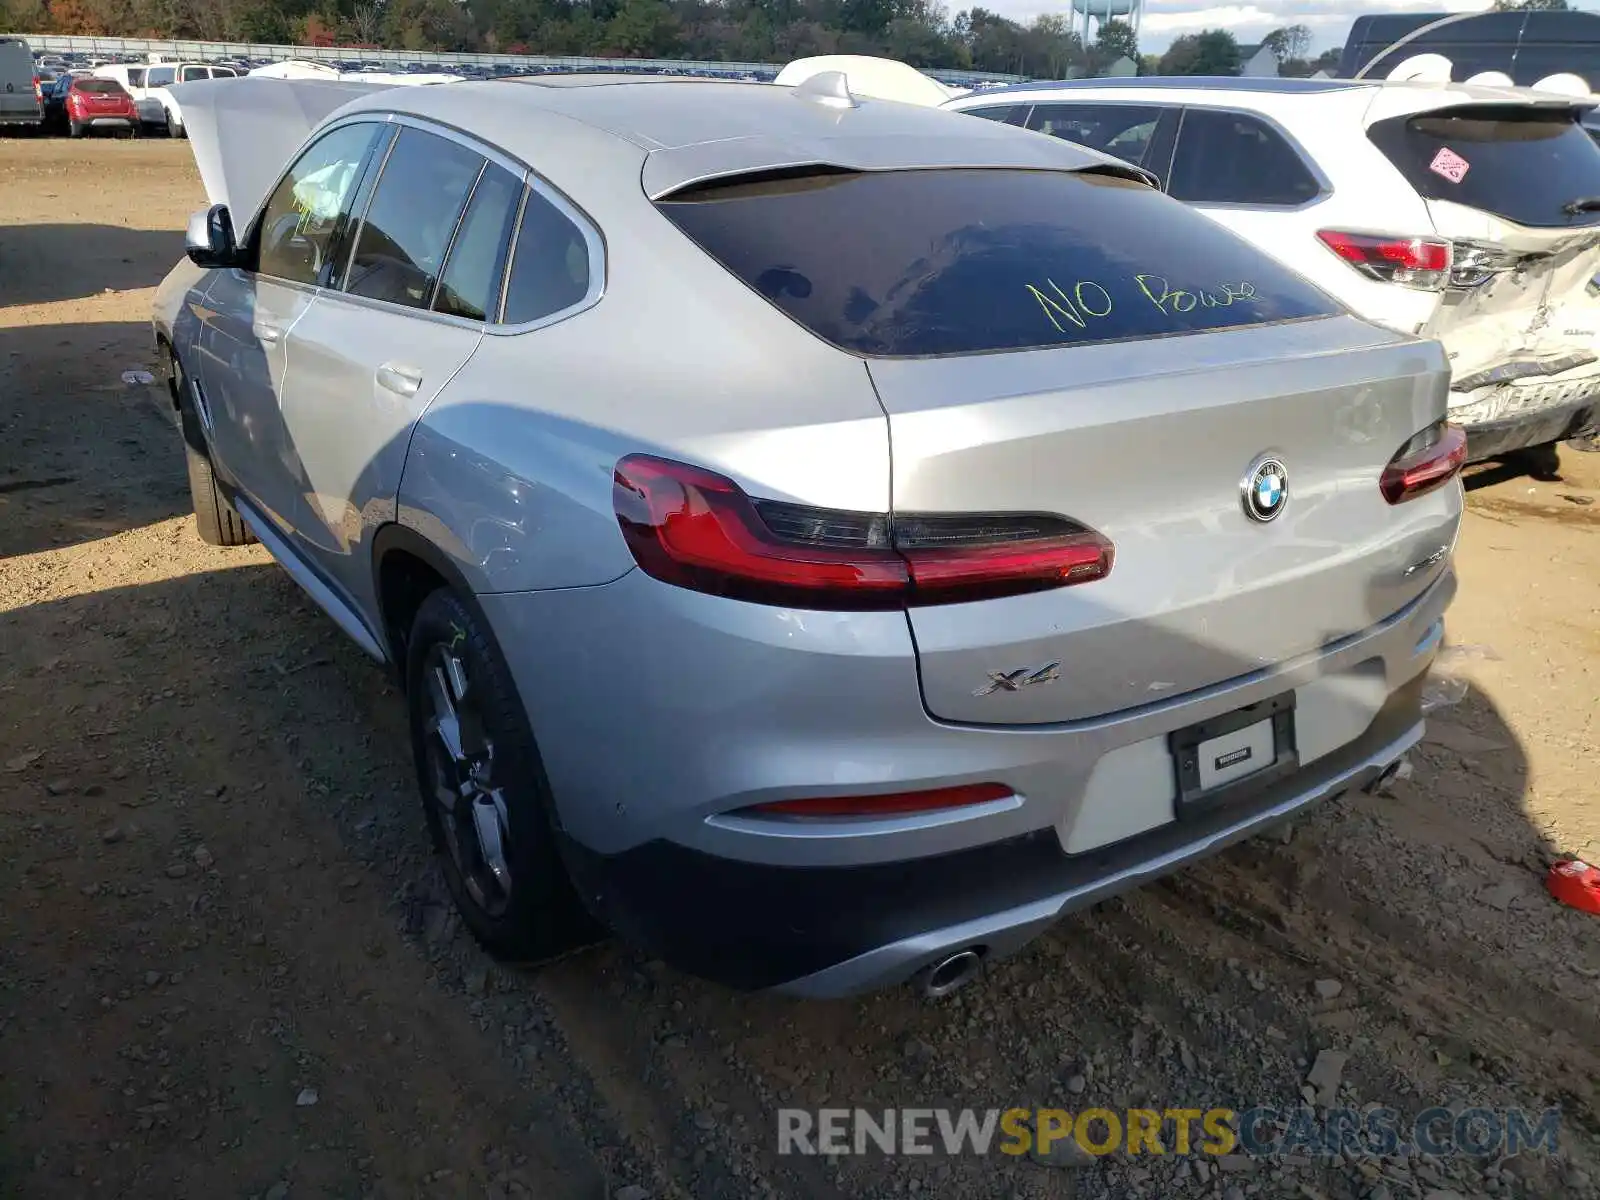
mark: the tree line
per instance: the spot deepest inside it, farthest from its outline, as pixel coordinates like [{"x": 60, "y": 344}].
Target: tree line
[{"x": 921, "y": 32}]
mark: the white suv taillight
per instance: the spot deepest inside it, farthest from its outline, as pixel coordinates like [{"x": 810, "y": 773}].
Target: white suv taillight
[
  {"x": 1475, "y": 263},
  {"x": 1420, "y": 263}
]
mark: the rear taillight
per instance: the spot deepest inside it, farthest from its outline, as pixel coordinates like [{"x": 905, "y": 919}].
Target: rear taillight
[
  {"x": 38, "y": 91},
  {"x": 894, "y": 804},
  {"x": 1475, "y": 264},
  {"x": 1420, "y": 263},
  {"x": 697, "y": 529},
  {"x": 1428, "y": 461}
]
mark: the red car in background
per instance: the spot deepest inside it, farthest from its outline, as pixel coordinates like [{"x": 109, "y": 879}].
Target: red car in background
[{"x": 92, "y": 104}]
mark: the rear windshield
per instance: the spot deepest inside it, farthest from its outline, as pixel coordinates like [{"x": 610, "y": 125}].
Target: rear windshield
[
  {"x": 918, "y": 263},
  {"x": 1522, "y": 164},
  {"x": 109, "y": 87}
]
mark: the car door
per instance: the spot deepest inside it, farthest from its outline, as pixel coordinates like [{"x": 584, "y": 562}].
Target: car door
[
  {"x": 244, "y": 357},
  {"x": 424, "y": 275}
]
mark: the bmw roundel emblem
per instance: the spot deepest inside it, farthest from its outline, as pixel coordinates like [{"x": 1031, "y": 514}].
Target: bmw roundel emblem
[{"x": 1266, "y": 489}]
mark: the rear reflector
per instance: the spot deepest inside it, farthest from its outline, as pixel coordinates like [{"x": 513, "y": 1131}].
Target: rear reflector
[
  {"x": 1428, "y": 461},
  {"x": 894, "y": 804},
  {"x": 1420, "y": 263},
  {"x": 696, "y": 529}
]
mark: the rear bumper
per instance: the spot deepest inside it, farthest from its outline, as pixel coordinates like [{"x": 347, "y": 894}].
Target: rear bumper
[
  {"x": 109, "y": 122},
  {"x": 1498, "y": 424},
  {"x": 826, "y": 932},
  {"x": 661, "y": 713}
]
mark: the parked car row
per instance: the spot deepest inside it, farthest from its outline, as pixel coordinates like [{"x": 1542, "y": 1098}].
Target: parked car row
[{"x": 966, "y": 530}]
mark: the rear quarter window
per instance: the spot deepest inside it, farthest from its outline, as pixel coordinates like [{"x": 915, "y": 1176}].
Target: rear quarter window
[
  {"x": 1519, "y": 163},
  {"x": 940, "y": 262}
]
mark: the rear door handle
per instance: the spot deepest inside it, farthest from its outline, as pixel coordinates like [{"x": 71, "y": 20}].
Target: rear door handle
[
  {"x": 270, "y": 334},
  {"x": 403, "y": 381}
]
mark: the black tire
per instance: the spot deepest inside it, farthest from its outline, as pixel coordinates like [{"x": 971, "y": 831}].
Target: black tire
[
  {"x": 540, "y": 916},
  {"x": 173, "y": 130},
  {"x": 75, "y": 130},
  {"x": 216, "y": 520},
  {"x": 1541, "y": 462}
]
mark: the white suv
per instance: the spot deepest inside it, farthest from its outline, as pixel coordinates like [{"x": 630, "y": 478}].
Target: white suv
[{"x": 1467, "y": 213}]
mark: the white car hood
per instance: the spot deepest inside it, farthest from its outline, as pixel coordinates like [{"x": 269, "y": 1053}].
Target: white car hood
[{"x": 243, "y": 131}]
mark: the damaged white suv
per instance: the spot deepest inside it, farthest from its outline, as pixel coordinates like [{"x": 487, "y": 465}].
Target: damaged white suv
[{"x": 1463, "y": 212}]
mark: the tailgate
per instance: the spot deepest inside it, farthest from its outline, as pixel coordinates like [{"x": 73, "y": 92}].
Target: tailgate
[
  {"x": 1515, "y": 187},
  {"x": 1148, "y": 443}
]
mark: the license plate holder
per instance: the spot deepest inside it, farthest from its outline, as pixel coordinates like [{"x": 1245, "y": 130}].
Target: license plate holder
[{"x": 1207, "y": 756}]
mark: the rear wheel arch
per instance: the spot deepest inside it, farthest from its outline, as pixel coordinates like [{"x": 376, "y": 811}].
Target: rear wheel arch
[{"x": 407, "y": 568}]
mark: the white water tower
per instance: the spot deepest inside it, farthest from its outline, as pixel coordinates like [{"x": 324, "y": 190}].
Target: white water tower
[{"x": 1099, "y": 12}]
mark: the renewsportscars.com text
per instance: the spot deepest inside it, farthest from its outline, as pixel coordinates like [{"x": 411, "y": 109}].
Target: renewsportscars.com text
[{"x": 1260, "y": 1131}]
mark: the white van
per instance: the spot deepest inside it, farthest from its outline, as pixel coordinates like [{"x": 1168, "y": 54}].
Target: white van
[
  {"x": 148, "y": 86},
  {"x": 19, "y": 92}
]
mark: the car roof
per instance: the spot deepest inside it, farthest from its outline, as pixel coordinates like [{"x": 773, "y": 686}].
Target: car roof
[
  {"x": 1230, "y": 83},
  {"x": 1380, "y": 98},
  {"x": 693, "y": 130}
]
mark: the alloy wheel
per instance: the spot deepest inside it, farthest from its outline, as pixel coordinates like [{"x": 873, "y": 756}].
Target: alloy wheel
[{"x": 462, "y": 784}]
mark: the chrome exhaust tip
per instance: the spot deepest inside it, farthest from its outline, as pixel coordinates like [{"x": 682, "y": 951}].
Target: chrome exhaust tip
[
  {"x": 1400, "y": 768},
  {"x": 948, "y": 974}
]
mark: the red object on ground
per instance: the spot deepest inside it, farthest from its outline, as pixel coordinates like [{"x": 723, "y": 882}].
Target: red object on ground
[{"x": 1576, "y": 884}]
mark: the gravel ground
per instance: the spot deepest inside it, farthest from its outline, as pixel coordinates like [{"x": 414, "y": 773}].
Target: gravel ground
[{"x": 228, "y": 967}]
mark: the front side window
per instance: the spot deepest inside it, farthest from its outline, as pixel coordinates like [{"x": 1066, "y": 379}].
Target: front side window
[
  {"x": 300, "y": 227},
  {"x": 160, "y": 77},
  {"x": 224, "y": 73},
  {"x": 1121, "y": 130},
  {"x": 190, "y": 74},
  {"x": 907, "y": 264},
  {"x": 412, "y": 219},
  {"x": 1234, "y": 158},
  {"x": 550, "y": 271},
  {"x": 470, "y": 285}
]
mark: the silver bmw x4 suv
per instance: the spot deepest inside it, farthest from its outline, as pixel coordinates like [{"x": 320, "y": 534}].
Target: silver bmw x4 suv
[{"x": 822, "y": 540}]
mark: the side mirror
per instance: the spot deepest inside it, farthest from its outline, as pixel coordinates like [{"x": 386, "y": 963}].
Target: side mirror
[{"x": 209, "y": 240}]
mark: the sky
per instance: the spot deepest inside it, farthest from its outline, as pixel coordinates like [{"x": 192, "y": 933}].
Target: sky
[{"x": 1249, "y": 20}]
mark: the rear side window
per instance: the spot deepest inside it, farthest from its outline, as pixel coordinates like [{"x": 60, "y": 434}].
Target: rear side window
[
  {"x": 920, "y": 263},
  {"x": 550, "y": 267},
  {"x": 224, "y": 73},
  {"x": 1519, "y": 163},
  {"x": 412, "y": 218},
  {"x": 159, "y": 77},
  {"x": 1234, "y": 158},
  {"x": 135, "y": 77},
  {"x": 470, "y": 285},
  {"x": 190, "y": 74}
]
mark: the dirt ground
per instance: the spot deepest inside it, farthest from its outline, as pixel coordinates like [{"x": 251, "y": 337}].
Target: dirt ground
[{"x": 228, "y": 968}]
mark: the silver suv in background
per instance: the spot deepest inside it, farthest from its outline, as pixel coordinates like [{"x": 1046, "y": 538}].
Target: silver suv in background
[
  {"x": 823, "y": 573},
  {"x": 20, "y": 102}
]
